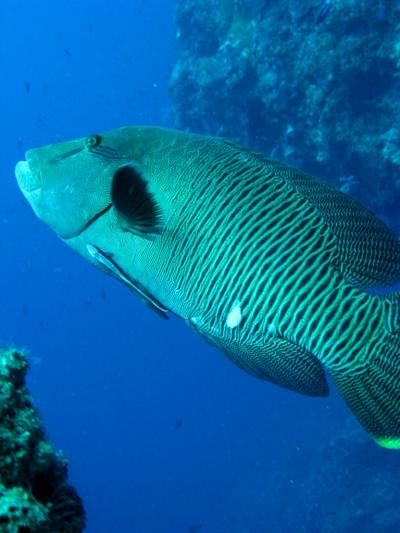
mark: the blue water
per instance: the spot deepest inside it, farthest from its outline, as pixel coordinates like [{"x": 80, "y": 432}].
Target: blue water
[{"x": 162, "y": 433}]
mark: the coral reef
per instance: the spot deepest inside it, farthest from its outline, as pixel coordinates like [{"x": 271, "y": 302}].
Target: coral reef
[
  {"x": 314, "y": 83},
  {"x": 350, "y": 485},
  {"x": 34, "y": 494}
]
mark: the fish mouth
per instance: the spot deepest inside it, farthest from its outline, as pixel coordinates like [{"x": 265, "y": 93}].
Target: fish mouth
[
  {"x": 88, "y": 224},
  {"x": 28, "y": 181}
]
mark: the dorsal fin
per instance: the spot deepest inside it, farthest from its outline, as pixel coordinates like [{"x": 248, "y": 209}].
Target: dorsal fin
[
  {"x": 136, "y": 206},
  {"x": 369, "y": 251}
]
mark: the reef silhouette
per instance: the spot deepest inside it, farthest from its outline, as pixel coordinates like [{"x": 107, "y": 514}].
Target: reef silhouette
[{"x": 35, "y": 496}]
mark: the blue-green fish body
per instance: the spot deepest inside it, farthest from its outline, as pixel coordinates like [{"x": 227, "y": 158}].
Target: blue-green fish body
[{"x": 267, "y": 263}]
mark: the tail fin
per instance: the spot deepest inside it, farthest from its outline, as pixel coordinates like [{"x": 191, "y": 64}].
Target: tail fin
[{"x": 374, "y": 395}]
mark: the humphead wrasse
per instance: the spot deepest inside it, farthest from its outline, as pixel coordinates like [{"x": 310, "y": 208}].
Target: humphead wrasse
[{"x": 268, "y": 264}]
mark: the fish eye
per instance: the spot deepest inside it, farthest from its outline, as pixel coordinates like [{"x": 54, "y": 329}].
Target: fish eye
[{"x": 92, "y": 141}]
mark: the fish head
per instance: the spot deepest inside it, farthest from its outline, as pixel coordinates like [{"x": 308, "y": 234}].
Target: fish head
[
  {"x": 101, "y": 197},
  {"x": 68, "y": 184}
]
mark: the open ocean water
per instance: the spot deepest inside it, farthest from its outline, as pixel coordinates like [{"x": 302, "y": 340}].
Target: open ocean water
[{"x": 162, "y": 433}]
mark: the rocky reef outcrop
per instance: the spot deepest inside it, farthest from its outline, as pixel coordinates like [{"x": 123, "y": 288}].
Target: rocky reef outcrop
[
  {"x": 35, "y": 496},
  {"x": 313, "y": 82}
]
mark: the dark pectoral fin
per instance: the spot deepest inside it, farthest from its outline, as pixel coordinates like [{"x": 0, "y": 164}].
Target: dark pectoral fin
[{"x": 136, "y": 207}]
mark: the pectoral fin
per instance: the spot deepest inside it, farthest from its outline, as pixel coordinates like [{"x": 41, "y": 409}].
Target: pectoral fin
[{"x": 136, "y": 207}]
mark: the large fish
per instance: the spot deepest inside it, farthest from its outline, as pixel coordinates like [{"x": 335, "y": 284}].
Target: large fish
[{"x": 268, "y": 264}]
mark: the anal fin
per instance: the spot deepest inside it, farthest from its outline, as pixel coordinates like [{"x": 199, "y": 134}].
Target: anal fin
[
  {"x": 277, "y": 360},
  {"x": 289, "y": 366}
]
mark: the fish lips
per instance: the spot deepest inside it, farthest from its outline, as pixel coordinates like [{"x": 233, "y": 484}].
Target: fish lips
[
  {"x": 30, "y": 184},
  {"x": 27, "y": 180}
]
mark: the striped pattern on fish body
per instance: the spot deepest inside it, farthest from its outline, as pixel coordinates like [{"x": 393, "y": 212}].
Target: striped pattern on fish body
[
  {"x": 256, "y": 244},
  {"x": 268, "y": 264}
]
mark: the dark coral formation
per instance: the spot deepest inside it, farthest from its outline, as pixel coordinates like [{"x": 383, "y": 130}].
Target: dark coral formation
[
  {"x": 34, "y": 494},
  {"x": 349, "y": 485},
  {"x": 311, "y": 82}
]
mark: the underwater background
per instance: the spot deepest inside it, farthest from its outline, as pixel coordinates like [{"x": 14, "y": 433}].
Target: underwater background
[{"x": 162, "y": 433}]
